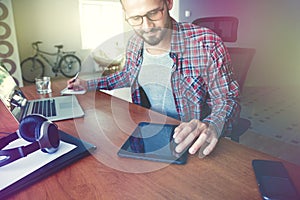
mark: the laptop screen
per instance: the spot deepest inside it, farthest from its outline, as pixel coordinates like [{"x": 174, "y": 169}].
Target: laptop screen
[{"x": 11, "y": 95}]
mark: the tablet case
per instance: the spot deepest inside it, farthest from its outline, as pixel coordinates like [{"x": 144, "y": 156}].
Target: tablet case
[
  {"x": 274, "y": 181},
  {"x": 153, "y": 142},
  {"x": 83, "y": 149}
]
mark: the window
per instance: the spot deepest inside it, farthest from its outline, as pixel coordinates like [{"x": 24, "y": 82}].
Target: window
[{"x": 100, "y": 21}]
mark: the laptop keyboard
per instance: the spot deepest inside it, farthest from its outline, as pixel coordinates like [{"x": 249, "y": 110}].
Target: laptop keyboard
[{"x": 45, "y": 108}]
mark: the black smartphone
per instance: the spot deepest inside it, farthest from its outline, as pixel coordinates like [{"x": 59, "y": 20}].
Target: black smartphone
[{"x": 274, "y": 181}]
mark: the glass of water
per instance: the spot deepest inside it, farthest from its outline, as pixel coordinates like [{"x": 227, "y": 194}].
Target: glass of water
[{"x": 43, "y": 85}]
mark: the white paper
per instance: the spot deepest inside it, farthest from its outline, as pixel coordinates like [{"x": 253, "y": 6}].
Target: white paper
[
  {"x": 22, "y": 167},
  {"x": 71, "y": 91}
]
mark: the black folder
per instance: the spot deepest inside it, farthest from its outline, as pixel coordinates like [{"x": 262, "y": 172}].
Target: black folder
[{"x": 83, "y": 149}]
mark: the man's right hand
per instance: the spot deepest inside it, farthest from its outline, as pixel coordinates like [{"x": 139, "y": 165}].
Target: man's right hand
[{"x": 77, "y": 85}]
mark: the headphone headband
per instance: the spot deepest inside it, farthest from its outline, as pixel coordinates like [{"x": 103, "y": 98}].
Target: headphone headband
[
  {"x": 42, "y": 134},
  {"x": 9, "y": 155}
]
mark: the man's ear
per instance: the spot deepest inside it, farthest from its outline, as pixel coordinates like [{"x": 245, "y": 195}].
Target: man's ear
[{"x": 169, "y": 4}]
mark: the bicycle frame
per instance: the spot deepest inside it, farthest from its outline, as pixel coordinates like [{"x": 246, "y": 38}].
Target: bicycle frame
[
  {"x": 65, "y": 62},
  {"x": 54, "y": 64}
]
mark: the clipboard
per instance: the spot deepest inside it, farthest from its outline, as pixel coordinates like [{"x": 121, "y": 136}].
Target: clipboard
[{"x": 83, "y": 149}]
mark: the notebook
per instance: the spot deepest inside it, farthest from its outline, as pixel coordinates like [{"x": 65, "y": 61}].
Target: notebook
[{"x": 54, "y": 109}]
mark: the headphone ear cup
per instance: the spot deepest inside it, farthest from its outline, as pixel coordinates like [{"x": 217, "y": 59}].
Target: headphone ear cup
[
  {"x": 49, "y": 140},
  {"x": 30, "y": 127}
]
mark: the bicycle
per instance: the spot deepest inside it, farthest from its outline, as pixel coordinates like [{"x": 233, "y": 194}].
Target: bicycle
[{"x": 66, "y": 63}]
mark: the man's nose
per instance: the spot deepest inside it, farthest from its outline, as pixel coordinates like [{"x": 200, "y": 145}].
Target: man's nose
[{"x": 147, "y": 24}]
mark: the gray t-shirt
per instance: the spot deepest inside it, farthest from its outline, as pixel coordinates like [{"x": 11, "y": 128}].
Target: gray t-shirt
[{"x": 155, "y": 78}]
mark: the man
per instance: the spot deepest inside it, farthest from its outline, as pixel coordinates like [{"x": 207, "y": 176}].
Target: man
[{"x": 184, "y": 71}]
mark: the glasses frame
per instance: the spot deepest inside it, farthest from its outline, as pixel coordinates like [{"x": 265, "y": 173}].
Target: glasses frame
[{"x": 141, "y": 17}]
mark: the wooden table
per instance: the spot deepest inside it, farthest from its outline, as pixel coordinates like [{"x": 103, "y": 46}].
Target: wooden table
[{"x": 226, "y": 174}]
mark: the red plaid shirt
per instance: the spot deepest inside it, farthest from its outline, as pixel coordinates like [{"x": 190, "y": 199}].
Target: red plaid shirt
[{"x": 202, "y": 77}]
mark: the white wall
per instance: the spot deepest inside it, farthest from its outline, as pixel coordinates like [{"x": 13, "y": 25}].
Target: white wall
[
  {"x": 51, "y": 21},
  {"x": 175, "y": 10},
  {"x": 271, "y": 26},
  {"x": 9, "y": 46}
]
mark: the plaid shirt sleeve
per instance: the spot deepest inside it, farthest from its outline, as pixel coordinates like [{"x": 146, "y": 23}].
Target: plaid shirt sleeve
[
  {"x": 223, "y": 91},
  {"x": 224, "y": 99},
  {"x": 205, "y": 78},
  {"x": 115, "y": 80}
]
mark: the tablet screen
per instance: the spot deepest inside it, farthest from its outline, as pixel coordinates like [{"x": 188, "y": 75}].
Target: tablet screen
[{"x": 153, "y": 142}]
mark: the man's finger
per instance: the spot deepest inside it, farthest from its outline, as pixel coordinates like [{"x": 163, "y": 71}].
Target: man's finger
[
  {"x": 211, "y": 146},
  {"x": 198, "y": 144},
  {"x": 182, "y": 132}
]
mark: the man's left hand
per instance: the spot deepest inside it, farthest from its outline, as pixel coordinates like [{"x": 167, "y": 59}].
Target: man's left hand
[{"x": 198, "y": 132}]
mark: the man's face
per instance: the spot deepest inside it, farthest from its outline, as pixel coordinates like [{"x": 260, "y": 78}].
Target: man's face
[{"x": 149, "y": 18}]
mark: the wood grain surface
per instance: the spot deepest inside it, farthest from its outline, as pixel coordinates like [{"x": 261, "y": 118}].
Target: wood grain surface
[{"x": 226, "y": 174}]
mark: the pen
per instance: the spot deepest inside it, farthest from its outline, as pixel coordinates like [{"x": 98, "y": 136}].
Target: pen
[
  {"x": 75, "y": 77},
  {"x": 73, "y": 80}
]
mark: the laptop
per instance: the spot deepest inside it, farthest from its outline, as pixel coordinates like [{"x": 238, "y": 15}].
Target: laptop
[{"x": 54, "y": 109}]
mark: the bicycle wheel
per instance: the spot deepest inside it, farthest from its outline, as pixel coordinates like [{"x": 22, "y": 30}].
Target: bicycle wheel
[
  {"x": 69, "y": 65},
  {"x": 32, "y": 68}
]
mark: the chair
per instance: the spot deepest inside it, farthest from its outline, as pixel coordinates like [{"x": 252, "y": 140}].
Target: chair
[
  {"x": 241, "y": 59},
  {"x": 226, "y": 27}
]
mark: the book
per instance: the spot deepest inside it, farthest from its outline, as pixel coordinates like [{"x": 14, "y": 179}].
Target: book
[{"x": 80, "y": 150}]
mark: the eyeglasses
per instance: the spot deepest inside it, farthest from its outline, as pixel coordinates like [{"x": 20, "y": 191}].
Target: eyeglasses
[{"x": 153, "y": 15}]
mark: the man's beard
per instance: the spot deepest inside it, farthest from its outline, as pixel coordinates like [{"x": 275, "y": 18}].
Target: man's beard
[{"x": 153, "y": 36}]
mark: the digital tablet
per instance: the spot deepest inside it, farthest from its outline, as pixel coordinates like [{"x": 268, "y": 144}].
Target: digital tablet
[{"x": 154, "y": 142}]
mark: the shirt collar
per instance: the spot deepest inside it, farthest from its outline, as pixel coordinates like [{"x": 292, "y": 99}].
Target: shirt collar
[{"x": 177, "y": 41}]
